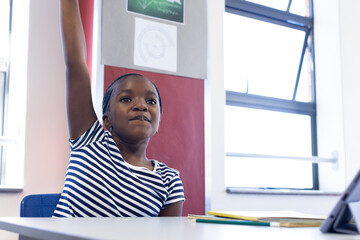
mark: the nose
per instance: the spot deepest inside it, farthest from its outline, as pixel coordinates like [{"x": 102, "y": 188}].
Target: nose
[{"x": 140, "y": 105}]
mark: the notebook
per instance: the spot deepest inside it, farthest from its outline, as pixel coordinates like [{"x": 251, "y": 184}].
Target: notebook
[{"x": 284, "y": 218}]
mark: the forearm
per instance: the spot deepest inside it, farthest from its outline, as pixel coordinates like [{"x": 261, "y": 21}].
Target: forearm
[
  {"x": 72, "y": 33},
  {"x": 80, "y": 111},
  {"x": 173, "y": 210}
]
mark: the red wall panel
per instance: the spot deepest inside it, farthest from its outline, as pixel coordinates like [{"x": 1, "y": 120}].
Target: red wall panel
[{"x": 180, "y": 140}]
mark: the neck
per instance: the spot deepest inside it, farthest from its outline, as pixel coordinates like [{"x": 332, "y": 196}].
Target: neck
[{"x": 134, "y": 154}]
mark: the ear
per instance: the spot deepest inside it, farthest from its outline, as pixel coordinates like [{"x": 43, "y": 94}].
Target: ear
[
  {"x": 157, "y": 130},
  {"x": 106, "y": 121}
]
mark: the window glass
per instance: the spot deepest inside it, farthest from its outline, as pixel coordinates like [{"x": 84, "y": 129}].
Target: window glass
[
  {"x": 4, "y": 59},
  {"x": 278, "y": 4},
  {"x": 260, "y": 172},
  {"x": 299, "y": 7},
  {"x": 2, "y": 91},
  {"x": 4, "y": 32},
  {"x": 305, "y": 83},
  {"x": 249, "y": 130},
  {"x": 13, "y": 96},
  {"x": 261, "y": 58},
  {"x": 257, "y": 131}
]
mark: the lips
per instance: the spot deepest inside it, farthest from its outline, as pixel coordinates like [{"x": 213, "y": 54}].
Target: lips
[{"x": 140, "y": 118}]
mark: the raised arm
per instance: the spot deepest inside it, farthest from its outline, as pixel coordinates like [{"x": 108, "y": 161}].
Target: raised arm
[{"x": 80, "y": 110}]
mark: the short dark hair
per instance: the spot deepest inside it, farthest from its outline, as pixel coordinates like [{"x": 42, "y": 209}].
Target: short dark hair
[{"x": 110, "y": 88}]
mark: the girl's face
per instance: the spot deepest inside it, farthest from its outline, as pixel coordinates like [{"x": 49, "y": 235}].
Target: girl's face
[{"x": 134, "y": 113}]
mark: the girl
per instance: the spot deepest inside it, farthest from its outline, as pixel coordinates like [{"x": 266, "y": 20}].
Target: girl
[{"x": 108, "y": 172}]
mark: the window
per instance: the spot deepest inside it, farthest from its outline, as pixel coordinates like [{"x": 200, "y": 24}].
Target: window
[
  {"x": 4, "y": 73},
  {"x": 270, "y": 113},
  {"x": 13, "y": 74}
]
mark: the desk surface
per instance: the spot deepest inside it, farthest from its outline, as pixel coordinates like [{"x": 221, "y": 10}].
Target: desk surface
[{"x": 151, "y": 228}]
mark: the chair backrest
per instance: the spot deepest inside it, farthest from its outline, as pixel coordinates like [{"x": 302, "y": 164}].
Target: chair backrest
[{"x": 39, "y": 205}]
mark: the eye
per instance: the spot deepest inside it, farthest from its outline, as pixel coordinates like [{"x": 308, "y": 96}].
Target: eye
[
  {"x": 151, "y": 101},
  {"x": 125, "y": 100}
]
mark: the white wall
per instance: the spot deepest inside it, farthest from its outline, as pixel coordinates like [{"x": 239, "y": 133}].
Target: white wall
[
  {"x": 46, "y": 151},
  {"x": 47, "y": 148},
  {"x": 337, "y": 60},
  {"x": 329, "y": 97},
  {"x": 214, "y": 108},
  {"x": 350, "y": 75}
]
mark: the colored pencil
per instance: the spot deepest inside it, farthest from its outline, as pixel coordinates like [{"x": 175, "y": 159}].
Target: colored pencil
[{"x": 236, "y": 222}]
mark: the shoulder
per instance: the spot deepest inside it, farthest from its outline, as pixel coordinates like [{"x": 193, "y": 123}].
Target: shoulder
[
  {"x": 95, "y": 133},
  {"x": 165, "y": 170}
]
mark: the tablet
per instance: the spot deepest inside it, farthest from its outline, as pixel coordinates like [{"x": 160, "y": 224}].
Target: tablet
[{"x": 341, "y": 219}]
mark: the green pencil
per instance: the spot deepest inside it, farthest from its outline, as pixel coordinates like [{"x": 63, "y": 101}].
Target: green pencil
[{"x": 236, "y": 222}]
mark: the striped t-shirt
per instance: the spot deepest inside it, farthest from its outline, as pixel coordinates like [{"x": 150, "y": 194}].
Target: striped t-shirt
[{"x": 99, "y": 183}]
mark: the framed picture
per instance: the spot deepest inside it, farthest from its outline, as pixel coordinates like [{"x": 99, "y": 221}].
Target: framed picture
[{"x": 170, "y": 10}]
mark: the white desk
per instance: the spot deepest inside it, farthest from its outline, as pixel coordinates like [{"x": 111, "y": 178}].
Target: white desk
[{"x": 151, "y": 229}]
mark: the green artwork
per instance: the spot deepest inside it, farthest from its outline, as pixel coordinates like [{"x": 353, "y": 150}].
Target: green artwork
[{"x": 172, "y": 10}]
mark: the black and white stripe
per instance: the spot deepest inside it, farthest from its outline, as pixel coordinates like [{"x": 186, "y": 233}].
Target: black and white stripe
[{"x": 99, "y": 183}]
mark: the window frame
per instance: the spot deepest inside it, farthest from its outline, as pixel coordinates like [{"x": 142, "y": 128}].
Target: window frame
[
  {"x": 5, "y": 69},
  {"x": 12, "y": 142},
  {"x": 286, "y": 19}
]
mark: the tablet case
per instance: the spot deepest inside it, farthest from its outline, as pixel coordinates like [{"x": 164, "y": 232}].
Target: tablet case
[
  {"x": 344, "y": 221},
  {"x": 345, "y": 216}
]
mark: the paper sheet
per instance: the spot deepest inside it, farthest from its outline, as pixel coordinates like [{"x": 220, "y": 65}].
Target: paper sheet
[{"x": 155, "y": 45}]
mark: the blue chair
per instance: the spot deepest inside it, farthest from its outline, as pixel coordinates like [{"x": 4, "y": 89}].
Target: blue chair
[{"x": 39, "y": 205}]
